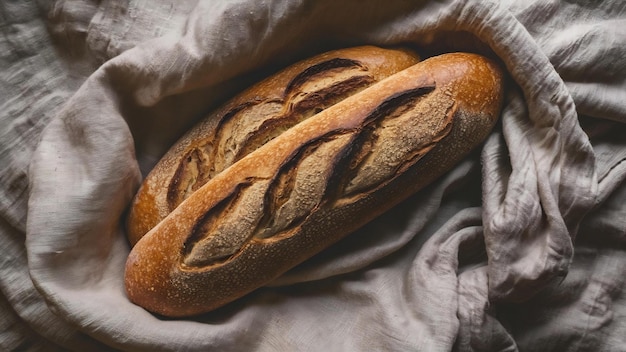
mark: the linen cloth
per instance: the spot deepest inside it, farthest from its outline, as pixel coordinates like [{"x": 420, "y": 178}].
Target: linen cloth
[{"x": 519, "y": 247}]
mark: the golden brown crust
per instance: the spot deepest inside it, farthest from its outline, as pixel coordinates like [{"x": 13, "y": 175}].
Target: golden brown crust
[
  {"x": 267, "y": 108},
  {"x": 315, "y": 183}
]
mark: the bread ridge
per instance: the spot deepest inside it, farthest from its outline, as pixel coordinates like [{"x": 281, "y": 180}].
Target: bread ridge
[
  {"x": 150, "y": 204},
  {"x": 157, "y": 274}
]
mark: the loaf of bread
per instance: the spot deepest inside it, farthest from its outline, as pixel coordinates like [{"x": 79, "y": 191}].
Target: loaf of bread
[{"x": 296, "y": 163}]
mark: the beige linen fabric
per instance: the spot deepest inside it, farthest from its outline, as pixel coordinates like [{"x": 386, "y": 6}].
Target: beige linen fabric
[{"x": 519, "y": 247}]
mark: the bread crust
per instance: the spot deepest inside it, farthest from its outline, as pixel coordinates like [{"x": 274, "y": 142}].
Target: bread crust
[{"x": 313, "y": 184}]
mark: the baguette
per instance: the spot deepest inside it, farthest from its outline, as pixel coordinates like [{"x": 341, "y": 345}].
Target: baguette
[{"x": 320, "y": 179}]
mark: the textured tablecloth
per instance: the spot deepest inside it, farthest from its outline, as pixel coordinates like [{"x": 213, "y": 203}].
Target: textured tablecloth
[{"x": 522, "y": 246}]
